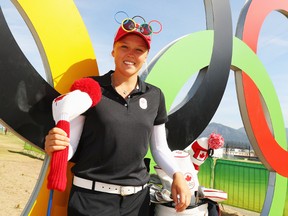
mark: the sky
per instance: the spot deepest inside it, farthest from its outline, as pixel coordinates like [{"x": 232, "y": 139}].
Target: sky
[{"x": 178, "y": 19}]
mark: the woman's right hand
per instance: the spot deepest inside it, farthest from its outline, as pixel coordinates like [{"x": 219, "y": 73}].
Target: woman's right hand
[{"x": 56, "y": 140}]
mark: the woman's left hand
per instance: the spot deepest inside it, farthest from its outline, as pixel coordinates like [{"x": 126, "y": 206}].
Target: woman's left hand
[{"x": 181, "y": 193}]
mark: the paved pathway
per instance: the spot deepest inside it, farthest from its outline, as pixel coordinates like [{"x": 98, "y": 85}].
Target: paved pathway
[{"x": 233, "y": 211}]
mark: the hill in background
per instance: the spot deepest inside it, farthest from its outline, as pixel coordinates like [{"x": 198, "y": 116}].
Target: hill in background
[{"x": 234, "y": 138}]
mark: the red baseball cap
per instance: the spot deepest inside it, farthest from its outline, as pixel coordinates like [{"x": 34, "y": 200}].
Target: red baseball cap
[{"x": 121, "y": 33}]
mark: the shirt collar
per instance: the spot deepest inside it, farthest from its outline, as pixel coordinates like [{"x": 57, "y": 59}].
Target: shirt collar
[{"x": 106, "y": 81}]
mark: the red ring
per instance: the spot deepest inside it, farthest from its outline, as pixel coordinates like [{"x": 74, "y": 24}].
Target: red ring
[{"x": 272, "y": 153}]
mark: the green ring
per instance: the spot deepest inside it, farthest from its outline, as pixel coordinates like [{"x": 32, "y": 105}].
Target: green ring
[{"x": 199, "y": 46}]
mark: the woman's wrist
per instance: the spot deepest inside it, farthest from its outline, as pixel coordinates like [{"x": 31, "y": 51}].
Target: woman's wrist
[{"x": 178, "y": 174}]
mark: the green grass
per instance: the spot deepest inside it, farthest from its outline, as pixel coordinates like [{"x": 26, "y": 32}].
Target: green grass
[
  {"x": 29, "y": 147},
  {"x": 10, "y": 138}
]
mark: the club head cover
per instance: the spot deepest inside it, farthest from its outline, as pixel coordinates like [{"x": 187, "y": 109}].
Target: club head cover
[{"x": 85, "y": 93}]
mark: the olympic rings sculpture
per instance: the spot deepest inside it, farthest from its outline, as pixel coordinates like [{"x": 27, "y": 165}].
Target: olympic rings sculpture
[{"x": 260, "y": 108}]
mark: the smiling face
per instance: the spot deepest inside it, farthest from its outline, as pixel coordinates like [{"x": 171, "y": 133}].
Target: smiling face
[{"x": 130, "y": 52}]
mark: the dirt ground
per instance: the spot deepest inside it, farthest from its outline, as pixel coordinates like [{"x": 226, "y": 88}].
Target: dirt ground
[{"x": 19, "y": 171}]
